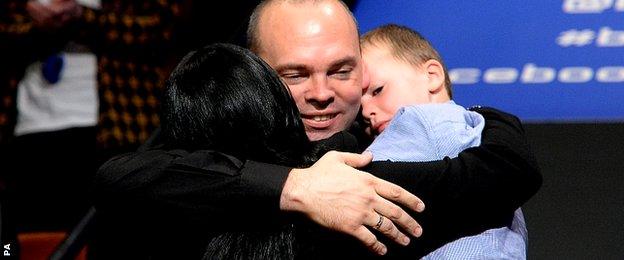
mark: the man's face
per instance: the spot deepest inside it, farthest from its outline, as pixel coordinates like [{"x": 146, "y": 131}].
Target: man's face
[
  {"x": 393, "y": 84},
  {"x": 315, "y": 50}
]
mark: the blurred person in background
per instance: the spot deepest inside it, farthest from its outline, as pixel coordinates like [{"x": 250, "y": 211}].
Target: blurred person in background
[{"x": 80, "y": 82}]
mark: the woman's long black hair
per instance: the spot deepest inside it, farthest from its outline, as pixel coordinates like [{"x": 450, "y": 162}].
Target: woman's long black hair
[{"x": 223, "y": 97}]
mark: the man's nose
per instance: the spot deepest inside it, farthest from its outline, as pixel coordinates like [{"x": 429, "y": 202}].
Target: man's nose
[{"x": 320, "y": 94}]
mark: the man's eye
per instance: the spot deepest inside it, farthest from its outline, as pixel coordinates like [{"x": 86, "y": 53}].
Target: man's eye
[
  {"x": 342, "y": 74},
  {"x": 377, "y": 91},
  {"x": 293, "y": 79}
]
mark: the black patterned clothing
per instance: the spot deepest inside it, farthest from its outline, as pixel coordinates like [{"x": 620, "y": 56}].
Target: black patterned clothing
[{"x": 133, "y": 41}]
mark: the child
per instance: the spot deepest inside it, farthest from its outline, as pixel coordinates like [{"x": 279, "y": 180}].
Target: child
[{"x": 409, "y": 107}]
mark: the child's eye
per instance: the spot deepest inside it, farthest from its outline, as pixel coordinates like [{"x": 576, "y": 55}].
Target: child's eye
[{"x": 377, "y": 91}]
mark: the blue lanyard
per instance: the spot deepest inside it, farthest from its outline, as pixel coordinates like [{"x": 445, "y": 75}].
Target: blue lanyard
[{"x": 52, "y": 68}]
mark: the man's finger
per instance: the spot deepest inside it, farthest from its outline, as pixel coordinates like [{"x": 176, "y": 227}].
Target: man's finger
[
  {"x": 395, "y": 193},
  {"x": 370, "y": 241},
  {"x": 398, "y": 216},
  {"x": 355, "y": 160},
  {"x": 387, "y": 228}
]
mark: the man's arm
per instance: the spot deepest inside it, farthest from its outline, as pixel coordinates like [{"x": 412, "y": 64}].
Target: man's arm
[
  {"x": 203, "y": 184},
  {"x": 478, "y": 190},
  {"x": 209, "y": 191},
  {"x": 469, "y": 194}
]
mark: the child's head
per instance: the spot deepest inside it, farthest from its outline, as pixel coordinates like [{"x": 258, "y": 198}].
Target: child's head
[{"x": 404, "y": 69}]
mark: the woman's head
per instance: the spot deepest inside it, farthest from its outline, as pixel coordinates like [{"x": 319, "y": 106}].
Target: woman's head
[{"x": 223, "y": 97}]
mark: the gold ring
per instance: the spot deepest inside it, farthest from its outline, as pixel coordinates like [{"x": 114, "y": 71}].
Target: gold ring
[{"x": 378, "y": 225}]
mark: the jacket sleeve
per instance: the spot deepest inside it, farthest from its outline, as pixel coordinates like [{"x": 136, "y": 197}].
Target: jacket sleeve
[
  {"x": 478, "y": 190},
  {"x": 198, "y": 189}
]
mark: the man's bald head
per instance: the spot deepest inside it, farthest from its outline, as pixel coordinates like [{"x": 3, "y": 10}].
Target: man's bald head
[{"x": 253, "y": 38}]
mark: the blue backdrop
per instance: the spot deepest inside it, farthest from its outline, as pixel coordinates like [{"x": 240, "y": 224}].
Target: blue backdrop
[{"x": 545, "y": 61}]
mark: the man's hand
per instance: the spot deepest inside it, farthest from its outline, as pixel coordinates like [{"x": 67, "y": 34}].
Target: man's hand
[
  {"x": 55, "y": 14},
  {"x": 337, "y": 196}
]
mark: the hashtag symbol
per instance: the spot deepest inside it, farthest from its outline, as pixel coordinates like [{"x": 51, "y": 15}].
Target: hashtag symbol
[{"x": 576, "y": 38}]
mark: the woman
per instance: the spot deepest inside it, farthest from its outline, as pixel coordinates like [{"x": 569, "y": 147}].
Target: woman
[{"x": 223, "y": 97}]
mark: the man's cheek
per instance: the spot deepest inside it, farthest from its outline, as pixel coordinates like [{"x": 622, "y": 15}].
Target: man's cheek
[{"x": 298, "y": 97}]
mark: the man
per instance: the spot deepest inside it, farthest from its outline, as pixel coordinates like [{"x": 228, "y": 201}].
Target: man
[
  {"x": 316, "y": 52},
  {"x": 314, "y": 47}
]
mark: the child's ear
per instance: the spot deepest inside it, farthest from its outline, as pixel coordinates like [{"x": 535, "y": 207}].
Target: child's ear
[{"x": 435, "y": 72}]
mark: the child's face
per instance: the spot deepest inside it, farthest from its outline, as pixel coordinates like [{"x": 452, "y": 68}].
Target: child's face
[{"x": 393, "y": 84}]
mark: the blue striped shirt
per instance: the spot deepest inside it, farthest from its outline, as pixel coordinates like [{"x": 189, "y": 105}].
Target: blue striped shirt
[{"x": 430, "y": 132}]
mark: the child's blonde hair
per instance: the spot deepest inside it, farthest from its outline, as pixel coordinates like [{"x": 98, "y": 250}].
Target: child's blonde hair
[{"x": 406, "y": 45}]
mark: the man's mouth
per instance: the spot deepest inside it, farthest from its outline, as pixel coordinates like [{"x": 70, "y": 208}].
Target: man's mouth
[
  {"x": 323, "y": 118},
  {"x": 319, "y": 121}
]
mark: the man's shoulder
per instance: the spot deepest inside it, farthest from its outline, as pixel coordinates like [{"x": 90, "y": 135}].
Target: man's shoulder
[{"x": 344, "y": 141}]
